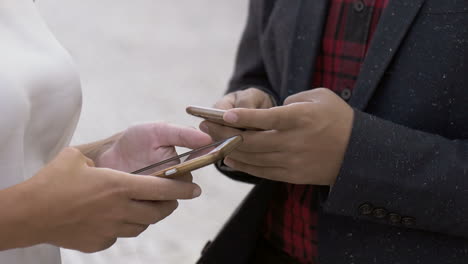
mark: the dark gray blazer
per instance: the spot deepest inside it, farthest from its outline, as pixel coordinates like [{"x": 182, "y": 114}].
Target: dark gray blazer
[{"x": 402, "y": 193}]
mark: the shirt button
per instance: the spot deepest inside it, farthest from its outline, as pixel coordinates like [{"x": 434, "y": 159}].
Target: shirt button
[
  {"x": 408, "y": 221},
  {"x": 366, "y": 209},
  {"x": 345, "y": 94},
  {"x": 379, "y": 213},
  {"x": 359, "y": 6},
  {"x": 394, "y": 218}
]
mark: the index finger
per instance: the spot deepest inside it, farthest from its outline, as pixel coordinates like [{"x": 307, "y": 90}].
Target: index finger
[
  {"x": 174, "y": 135},
  {"x": 225, "y": 103}
]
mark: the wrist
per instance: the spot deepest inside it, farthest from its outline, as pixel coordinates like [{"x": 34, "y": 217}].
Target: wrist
[{"x": 22, "y": 219}]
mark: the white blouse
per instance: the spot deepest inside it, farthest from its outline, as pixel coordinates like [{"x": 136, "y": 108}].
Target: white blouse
[{"x": 40, "y": 103}]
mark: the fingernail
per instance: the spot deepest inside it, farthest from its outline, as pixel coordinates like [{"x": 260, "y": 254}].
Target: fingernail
[
  {"x": 197, "y": 192},
  {"x": 230, "y": 117},
  {"x": 204, "y": 128}
]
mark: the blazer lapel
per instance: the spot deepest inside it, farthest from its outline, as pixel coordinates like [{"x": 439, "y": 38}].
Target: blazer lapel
[
  {"x": 395, "y": 23},
  {"x": 305, "y": 46}
]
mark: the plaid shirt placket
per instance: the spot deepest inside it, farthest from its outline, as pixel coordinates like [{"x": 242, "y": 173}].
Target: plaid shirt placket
[{"x": 292, "y": 220}]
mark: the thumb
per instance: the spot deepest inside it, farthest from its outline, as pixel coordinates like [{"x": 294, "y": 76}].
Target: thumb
[{"x": 276, "y": 118}]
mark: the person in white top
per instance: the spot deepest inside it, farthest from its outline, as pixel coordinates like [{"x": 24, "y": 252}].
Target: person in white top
[{"x": 55, "y": 196}]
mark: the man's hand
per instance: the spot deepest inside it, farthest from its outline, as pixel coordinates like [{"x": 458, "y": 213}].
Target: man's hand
[
  {"x": 304, "y": 142},
  {"x": 251, "y": 98},
  {"x": 145, "y": 144}
]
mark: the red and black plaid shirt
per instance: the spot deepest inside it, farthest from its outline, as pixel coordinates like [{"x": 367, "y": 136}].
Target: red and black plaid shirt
[{"x": 291, "y": 223}]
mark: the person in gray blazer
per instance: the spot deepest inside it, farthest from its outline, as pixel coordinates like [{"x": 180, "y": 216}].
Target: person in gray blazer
[{"x": 362, "y": 152}]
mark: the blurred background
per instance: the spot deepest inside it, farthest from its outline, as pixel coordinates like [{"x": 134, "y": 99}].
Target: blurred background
[{"x": 146, "y": 60}]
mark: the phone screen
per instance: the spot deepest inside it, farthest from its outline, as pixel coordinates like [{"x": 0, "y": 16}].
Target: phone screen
[{"x": 182, "y": 158}]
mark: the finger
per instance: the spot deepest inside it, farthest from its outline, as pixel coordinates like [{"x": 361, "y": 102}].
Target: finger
[
  {"x": 70, "y": 154},
  {"x": 227, "y": 102},
  {"x": 162, "y": 153},
  {"x": 276, "y": 118},
  {"x": 253, "y": 98},
  {"x": 269, "y": 159},
  {"x": 148, "y": 213},
  {"x": 107, "y": 244},
  {"x": 218, "y": 132},
  {"x": 248, "y": 99},
  {"x": 264, "y": 141},
  {"x": 184, "y": 177},
  {"x": 151, "y": 188},
  {"x": 253, "y": 141},
  {"x": 131, "y": 230},
  {"x": 271, "y": 173},
  {"x": 89, "y": 162},
  {"x": 174, "y": 135}
]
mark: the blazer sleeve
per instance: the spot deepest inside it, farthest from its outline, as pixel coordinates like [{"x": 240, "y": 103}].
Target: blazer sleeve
[
  {"x": 395, "y": 175},
  {"x": 249, "y": 70}
]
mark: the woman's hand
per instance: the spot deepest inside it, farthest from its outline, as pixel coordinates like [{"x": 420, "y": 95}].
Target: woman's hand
[
  {"x": 304, "y": 142},
  {"x": 145, "y": 144},
  {"x": 72, "y": 204}
]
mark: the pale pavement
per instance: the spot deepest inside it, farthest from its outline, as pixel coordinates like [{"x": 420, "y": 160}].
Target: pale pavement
[{"x": 145, "y": 60}]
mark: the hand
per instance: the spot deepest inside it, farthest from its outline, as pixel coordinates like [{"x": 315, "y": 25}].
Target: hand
[
  {"x": 249, "y": 98},
  {"x": 145, "y": 144},
  {"x": 77, "y": 206},
  {"x": 304, "y": 142}
]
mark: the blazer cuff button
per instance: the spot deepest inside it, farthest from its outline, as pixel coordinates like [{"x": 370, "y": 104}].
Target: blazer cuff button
[
  {"x": 394, "y": 218},
  {"x": 366, "y": 209},
  {"x": 408, "y": 221}
]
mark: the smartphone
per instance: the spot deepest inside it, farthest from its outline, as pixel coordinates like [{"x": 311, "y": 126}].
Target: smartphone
[
  {"x": 192, "y": 160},
  {"x": 213, "y": 115}
]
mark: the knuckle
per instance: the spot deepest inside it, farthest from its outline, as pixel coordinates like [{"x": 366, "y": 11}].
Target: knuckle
[
  {"x": 110, "y": 231},
  {"x": 251, "y": 90},
  {"x": 106, "y": 244},
  {"x": 140, "y": 229},
  {"x": 115, "y": 186},
  {"x": 173, "y": 205},
  {"x": 321, "y": 91},
  {"x": 243, "y": 101},
  {"x": 159, "y": 126},
  {"x": 90, "y": 162},
  {"x": 156, "y": 218},
  {"x": 89, "y": 248},
  {"x": 164, "y": 210},
  {"x": 96, "y": 245},
  {"x": 72, "y": 152},
  {"x": 289, "y": 100}
]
